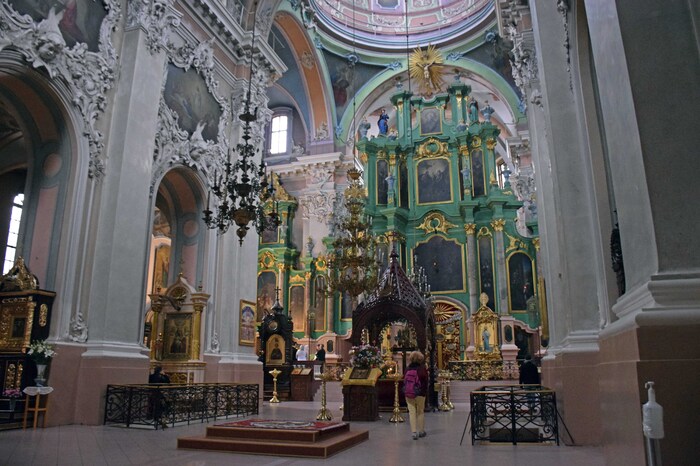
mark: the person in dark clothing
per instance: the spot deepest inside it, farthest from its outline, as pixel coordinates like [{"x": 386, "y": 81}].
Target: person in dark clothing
[
  {"x": 529, "y": 375},
  {"x": 415, "y": 397},
  {"x": 321, "y": 355},
  {"x": 158, "y": 376}
]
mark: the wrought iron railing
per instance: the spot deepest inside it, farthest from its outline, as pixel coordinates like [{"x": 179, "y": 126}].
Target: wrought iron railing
[
  {"x": 514, "y": 413},
  {"x": 163, "y": 405},
  {"x": 483, "y": 370}
]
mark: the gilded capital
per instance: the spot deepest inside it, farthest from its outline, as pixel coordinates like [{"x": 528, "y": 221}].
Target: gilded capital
[
  {"x": 364, "y": 158},
  {"x": 536, "y": 243},
  {"x": 470, "y": 229},
  {"x": 498, "y": 224},
  {"x": 490, "y": 143}
]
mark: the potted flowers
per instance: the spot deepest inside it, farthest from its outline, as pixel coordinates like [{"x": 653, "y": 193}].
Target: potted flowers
[
  {"x": 41, "y": 352},
  {"x": 366, "y": 357},
  {"x": 13, "y": 394}
]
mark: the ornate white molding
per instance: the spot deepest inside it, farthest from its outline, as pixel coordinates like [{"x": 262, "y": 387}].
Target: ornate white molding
[
  {"x": 174, "y": 145},
  {"x": 157, "y": 18},
  {"x": 563, "y": 9},
  {"x": 78, "y": 331},
  {"x": 87, "y": 75},
  {"x": 318, "y": 206}
]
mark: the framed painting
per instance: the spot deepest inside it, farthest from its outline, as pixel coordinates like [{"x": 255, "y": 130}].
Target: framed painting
[
  {"x": 296, "y": 306},
  {"x": 485, "y": 251},
  {"x": 246, "y": 329},
  {"x": 178, "y": 336},
  {"x": 382, "y": 188},
  {"x": 434, "y": 184},
  {"x": 443, "y": 263},
  {"x": 274, "y": 351},
  {"x": 270, "y": 236},
  {"x": 478, "y": 173},
  {"x": 161, "y": 268},
  {"x": 267, "y": 282},
  {"x": 430, "y": 121},
  {"x": 78, "y": 20},
  {"x": 187, "y": 94},
  {"x": 520, "y": 280}
]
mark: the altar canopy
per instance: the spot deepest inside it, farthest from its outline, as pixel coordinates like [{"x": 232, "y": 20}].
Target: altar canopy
[{"x": 396, "y": 299}]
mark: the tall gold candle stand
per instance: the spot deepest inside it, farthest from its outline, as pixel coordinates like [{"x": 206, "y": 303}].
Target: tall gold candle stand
[
  {"x": 274, "y": 373},
  {"x": 396, "y": 416},
  {"x": 443, "y": 391},
  {"x": 324, "y": 414},
  {"x": 449, "y": 389}
]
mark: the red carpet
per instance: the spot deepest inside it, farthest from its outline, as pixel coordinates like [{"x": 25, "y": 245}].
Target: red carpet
[{"x": 281, "y": 424}]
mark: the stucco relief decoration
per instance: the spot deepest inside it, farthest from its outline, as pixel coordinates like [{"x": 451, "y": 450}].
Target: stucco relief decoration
[
  {"x": 78, "y": 331},
  {"x": 563, "y": 9},
  {"x": 157, "y": 18},
  {"x": 318, "y": 206},
  {"x": 87, "y": 67},
  {"x": 174, "y": 145},
  {"x": 307, "y": 60}
]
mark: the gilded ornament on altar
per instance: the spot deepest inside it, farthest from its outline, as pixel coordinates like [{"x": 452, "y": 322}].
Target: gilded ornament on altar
[
  {"x": 498, "y": 224},
  {"x": 470, "y": 228},
  {"x": 515, "y": 243},
  {"x": 435, "y": 222},
  {"x": 492, "y": 179},
  {"x": 425, "y": 69},
  {"x": 381, "y": 154},
  {"x": 43, "y": 314},
  {"x": 432, "y": 148},
  {"x": 364, "y": 158},
  {"x": 536, "y": 243},
  {"x": 490, "y": 143},
  {"x": 483, "y": 231},
  {"x": 297, "y": 279},
  {"x": 476, "y": 142},
  {"x": 19, "y": 278},
  {"x": 266, "y": 260}
]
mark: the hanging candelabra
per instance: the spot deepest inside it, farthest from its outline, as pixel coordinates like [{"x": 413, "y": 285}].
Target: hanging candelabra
[
  {"x": 242, "y": 194},
  {"x": 353, "y": 268}
]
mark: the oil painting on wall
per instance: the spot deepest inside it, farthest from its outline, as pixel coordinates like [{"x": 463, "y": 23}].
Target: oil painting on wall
[
  {"x": 186, "y": 93},
  {"x": 486, "y": 269},
  {"x": 319, "y": 304},
  {"x": 433, "y": 177},
  {"x": 178, "y": 332},
  {"x": 274, "y": 351},
  {"x": 246, "y": 329},
  {"x": 296, "y": 307},
  {"x": 443, "y": 263},
  {"x": 478, "y": 179},
  {"x": 430, "y": 121},
  {"x": 78, "y": 20},
  {"x": 161, "y": 268},
  {"x": 267, "y": 282},
  {"x": 520, "y": 280},
  {"x": 382, "y": 188}
]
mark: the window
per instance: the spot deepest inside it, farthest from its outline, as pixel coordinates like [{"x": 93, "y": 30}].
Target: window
[
  {"x": 13, "y": 233},
  {"x": 278, "y": 135},
  {"x": 503, "y": 173}
]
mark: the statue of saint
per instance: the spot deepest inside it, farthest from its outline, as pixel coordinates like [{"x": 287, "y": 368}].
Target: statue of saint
[
  {"x": 383, "y": 123},
  {"x": 485, "y": 337}
]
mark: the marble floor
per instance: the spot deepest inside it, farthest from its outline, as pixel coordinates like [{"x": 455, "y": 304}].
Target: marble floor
[{"x": 388, "y": 444}]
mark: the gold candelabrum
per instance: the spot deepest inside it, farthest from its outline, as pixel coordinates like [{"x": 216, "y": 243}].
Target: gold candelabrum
[
  {"x": 274, "y": 373},
  {"x": 352, "y": 263},
  {"x": 396, "y": 416},
  {"x": 324, "y": 414},
  {"x": 444, "y": 378}
]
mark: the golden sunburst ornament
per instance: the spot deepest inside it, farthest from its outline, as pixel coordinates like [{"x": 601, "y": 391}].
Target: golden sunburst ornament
[{"x": 425, "y": 69}]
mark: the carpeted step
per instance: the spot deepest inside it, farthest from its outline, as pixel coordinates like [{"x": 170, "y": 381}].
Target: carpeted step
[
  {"x": 314, "y": 432},
  {"x": 322, "y": 447}
]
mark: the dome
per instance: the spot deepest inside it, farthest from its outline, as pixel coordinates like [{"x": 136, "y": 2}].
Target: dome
[{"x": 381, "y": 24}]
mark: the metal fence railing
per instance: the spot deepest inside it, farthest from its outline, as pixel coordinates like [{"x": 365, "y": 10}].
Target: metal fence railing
[
  {"x": 514, "y": 413},
  {"x": 163, "y": 405}
]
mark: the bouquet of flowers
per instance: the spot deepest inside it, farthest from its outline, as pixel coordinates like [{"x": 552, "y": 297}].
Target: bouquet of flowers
[
  {"x": 41, "y": 352},
  {"x": 365, "y": 356},
  {"x": 12, "y": 393}
]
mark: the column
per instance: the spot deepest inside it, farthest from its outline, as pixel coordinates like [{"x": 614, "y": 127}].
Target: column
[
  {"x": 472, "y": 268},
  {"x": 502, "y": 289}
]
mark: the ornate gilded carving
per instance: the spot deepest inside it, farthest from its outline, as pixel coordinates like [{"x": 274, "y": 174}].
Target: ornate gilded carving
[
  {"x": 435, "y": 222},
  {"x": 485, "y": 331},
  {"x": 470, "y": 228},
  {"x": 491, "y": 143},
  {"x": 16, "y": 321},
  {"x": 396, "y": 237},
  {"x": 483, "y": 231},
  {"x": 281, "y": 194},
  {"x": 43, "y": 314},
  {"x": 432, "y": 148},
  {"x": 514, "y": 243},
  {"x": 266, "y": 260},
  {"x": 297, "y": 279},
  {"x": 536, "y": 243},
  {"x": 381, "y": 155},
  {"x": 476, "y": 142},
  {"x": 19, "y": 278},
  {"x": 498, "y": 224}
]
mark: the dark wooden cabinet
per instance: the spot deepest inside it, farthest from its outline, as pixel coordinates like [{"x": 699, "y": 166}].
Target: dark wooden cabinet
[
  {"x": 360, "y": 403},
  {"x": 303, "y": 386}
]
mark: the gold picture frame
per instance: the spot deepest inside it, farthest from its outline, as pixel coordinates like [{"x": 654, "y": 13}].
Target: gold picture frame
[{"x": 246, "y": 327}]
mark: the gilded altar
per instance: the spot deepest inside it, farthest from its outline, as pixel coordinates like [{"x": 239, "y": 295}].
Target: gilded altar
[
  {"x": 485, "y": 332},
  {"x": 176, "y": 318},
  {"x": 25, "y": 315}
]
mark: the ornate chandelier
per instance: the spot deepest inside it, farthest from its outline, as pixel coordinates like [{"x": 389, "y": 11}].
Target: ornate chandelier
[
  {"x": 353, "y": 268},
  {"x": 243, "y": 194}
]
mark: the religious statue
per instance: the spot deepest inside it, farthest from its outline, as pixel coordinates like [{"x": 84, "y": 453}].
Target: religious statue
[
  {"x": 485, "y": 337},
  {"x": 487, "y": 112},
  {"x": 383, "y": 123},
  {"x": 425, "y": 69},
  {"x": 473, "y": 111},
  {"x": 364, "y": 127}
]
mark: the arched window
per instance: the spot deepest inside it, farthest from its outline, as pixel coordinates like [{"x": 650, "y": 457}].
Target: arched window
[
  {"x": 278, "y": 134},
  {"x": 13, "y": 233}
]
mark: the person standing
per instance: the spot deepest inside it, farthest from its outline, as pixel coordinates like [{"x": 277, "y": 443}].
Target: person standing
[
  {"x": 302, "y": 355},
  {"x": 415, "y": 390},
  {"x": 529, "y": 375},
  {"x": 321, "y": 355}
]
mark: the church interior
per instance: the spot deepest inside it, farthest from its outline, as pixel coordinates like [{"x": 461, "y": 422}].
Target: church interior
[{"x": 207, "y": 186}]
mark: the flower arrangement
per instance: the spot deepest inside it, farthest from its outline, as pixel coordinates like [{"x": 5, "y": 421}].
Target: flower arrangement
[
  {"x": 12, "y": 393},
  {"x": 365, "y": 356},
  {"x": 41, "y": 352}
]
